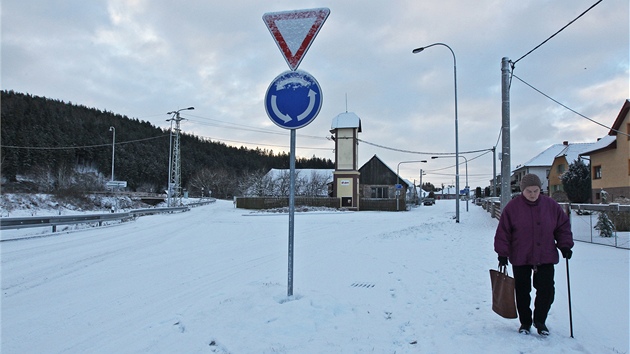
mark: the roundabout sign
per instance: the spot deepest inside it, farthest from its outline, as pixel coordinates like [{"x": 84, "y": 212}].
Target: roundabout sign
[{"x": 293, "y": 99}]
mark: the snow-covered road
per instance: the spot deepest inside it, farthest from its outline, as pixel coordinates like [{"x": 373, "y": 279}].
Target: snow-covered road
[{"x": 215, "y": 280}]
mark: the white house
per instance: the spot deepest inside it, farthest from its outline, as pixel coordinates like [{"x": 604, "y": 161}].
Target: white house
[{"x": 539, "y": 165}]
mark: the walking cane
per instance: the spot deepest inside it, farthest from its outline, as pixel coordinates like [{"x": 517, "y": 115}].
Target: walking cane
[{"x": 569, "y": 292}]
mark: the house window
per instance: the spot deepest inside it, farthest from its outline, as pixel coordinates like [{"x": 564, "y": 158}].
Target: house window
[
  {"x": 380, "y": 192},
  {"x": 597, "y": 172},
  {"x": 560, "y": 169}
]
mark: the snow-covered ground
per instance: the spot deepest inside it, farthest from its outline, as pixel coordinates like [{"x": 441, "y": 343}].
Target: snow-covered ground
[{"x": 214, "y": 280}]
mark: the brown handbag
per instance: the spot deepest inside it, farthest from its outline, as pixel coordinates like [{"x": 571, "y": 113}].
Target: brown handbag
[{"x": 503, "y": 298}]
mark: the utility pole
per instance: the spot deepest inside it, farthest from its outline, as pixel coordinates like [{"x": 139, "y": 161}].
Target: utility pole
[
  {"x": 175, "y": 164},
  {"x": 494, "y": 172},
  {"x": 506, "y": 192}
]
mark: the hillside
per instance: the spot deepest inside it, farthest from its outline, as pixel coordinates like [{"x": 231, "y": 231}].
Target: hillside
[{"x": 61, "y": 146}]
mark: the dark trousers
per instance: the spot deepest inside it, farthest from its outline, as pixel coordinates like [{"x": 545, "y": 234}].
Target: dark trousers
[{"x": 545, "y": 290}]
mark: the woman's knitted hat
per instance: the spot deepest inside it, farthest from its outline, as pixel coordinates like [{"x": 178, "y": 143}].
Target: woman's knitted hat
[{"x": 530, "y": 180}]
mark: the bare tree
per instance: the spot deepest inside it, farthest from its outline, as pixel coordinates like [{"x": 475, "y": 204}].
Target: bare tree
[
  {"x": 283, "y": 183},
  {"x": 255, "y": 183},
  {"x": 219, "y": 182},
  {"x": 317, "y": 185}
]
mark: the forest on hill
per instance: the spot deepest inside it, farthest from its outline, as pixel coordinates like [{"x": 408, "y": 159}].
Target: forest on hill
[{"x": 61, "y": 147}]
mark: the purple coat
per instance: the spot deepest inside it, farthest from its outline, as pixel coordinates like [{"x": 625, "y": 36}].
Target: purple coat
[{"x": 529, "y": 232}]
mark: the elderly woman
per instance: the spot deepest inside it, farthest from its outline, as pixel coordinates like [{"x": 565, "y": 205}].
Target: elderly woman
[{"x": 531, "y": 230}]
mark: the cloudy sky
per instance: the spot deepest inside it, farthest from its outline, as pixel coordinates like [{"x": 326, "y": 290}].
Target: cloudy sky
[{"x": 144, "y": 58}]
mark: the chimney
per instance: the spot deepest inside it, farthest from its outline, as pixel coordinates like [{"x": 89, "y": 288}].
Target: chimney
[{"x": 565, "y": 143}]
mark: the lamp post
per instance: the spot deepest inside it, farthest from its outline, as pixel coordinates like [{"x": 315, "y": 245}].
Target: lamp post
[
  {"x": 467, "y": 186},
  {"x": 422, "y": 173},
  {"x": 112, "y": 129},
  {"x": 398, "y": 177},
  {"x": 418, "y": 50}
]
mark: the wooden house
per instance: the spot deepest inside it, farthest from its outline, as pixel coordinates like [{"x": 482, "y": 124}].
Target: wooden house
[{"x": 378, "y": 181}]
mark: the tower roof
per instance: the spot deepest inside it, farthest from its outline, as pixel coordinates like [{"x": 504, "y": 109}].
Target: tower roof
[{"x": 346, "y": 120}]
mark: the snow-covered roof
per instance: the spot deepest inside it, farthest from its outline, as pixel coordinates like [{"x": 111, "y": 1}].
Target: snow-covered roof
[
  {"x": 600, "y": 144},
  {"x": 572, "y": 151},
  {"x": 346, "y": 120},
  {"x": 620, "y": 118},
  {"x": 545, "y": 158},
  {"x": 305, "y": 173},
  {"x": 447, "y": 190}
]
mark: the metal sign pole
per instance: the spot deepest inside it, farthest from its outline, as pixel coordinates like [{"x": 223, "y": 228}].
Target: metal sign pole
[
  {"x": 294, "y": 98},
  {"x": 291, "y": 211}
]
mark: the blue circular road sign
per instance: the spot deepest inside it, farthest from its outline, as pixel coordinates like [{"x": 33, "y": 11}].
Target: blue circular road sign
[{"x": 293, "y": 99}]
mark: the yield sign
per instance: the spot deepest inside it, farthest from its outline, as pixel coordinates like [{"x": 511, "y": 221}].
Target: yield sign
[{"x": 294, "y": 31}]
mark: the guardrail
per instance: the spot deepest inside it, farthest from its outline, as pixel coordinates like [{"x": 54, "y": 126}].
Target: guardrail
[{"x": 54, "y": 221}]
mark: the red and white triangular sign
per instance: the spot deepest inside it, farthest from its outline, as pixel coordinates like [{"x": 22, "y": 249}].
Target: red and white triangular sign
[{"x": 294, "y": 31}]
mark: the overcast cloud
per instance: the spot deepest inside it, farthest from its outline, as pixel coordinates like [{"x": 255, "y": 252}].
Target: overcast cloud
[{"x": 143, "y": 58}]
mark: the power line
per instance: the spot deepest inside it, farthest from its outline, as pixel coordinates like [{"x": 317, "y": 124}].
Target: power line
[
  {"x": 230, "y": 125},
  {"x": 261, "y": 144},
  {"x": 138, "y": 140},
  {"x": 560, "y": 30},
  {"x": 415, "y": 152},
  {"x": 579, "y": 114},
  {"x": 79, "y": 147}
]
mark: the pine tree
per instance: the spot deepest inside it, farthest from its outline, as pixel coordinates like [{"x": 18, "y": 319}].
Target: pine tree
[
  {"x": 604, "y": 224},
  {"x": 576, "y": 182}
]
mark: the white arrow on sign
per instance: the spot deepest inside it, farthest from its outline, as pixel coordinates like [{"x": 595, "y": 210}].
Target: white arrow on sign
[
  {"x": 283, "y": 85},
  {"x": 274, "y": 106},
  {"x": 311, "y": 105}
]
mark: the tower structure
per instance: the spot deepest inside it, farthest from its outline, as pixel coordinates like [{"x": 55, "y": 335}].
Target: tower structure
[
  {"x": 175, "y": 162},
  {"x": 345, "y": 129}
]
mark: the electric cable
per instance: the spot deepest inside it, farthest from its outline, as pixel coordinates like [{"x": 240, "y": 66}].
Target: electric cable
[
  {"x": 553, "y": 35},
  {"x": 79, "y": 147},
  {"x": 572, "y": 110}
]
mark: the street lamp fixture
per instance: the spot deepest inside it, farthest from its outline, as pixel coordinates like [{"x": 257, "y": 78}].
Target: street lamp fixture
[
  {"x": 467, "y": 188},
  {"x": 398, "y": 177},
  {"x": 418, "y": 50},
  {"x": 179, "y": 110}
]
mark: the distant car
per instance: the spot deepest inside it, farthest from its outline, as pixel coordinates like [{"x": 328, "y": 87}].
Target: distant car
[{"x": 428, "y": 201}]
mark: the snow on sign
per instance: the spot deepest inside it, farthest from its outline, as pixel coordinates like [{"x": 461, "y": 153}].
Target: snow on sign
[
  {"x": 294, "y": 31},
  {"x": 293, "y": 99}
]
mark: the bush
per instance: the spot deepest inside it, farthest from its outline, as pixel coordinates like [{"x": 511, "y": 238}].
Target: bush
[
  {"x": 620, "y": 220},
  {"x": 604, "y": 225}
]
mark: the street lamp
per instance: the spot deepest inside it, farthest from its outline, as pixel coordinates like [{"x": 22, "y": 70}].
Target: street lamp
[
  {"x": 422, "y": 173},
  {"x": 418, "y": 50},
  {"x": 467, "y": 186},
  {"x": 398, "y": 177},
  {"x": 112, "y": 129}
]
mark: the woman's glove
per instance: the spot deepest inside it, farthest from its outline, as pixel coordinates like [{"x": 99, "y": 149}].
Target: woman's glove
[
  {"x": 566, "y": 252},
  {"x": 503, "y": 261}
]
